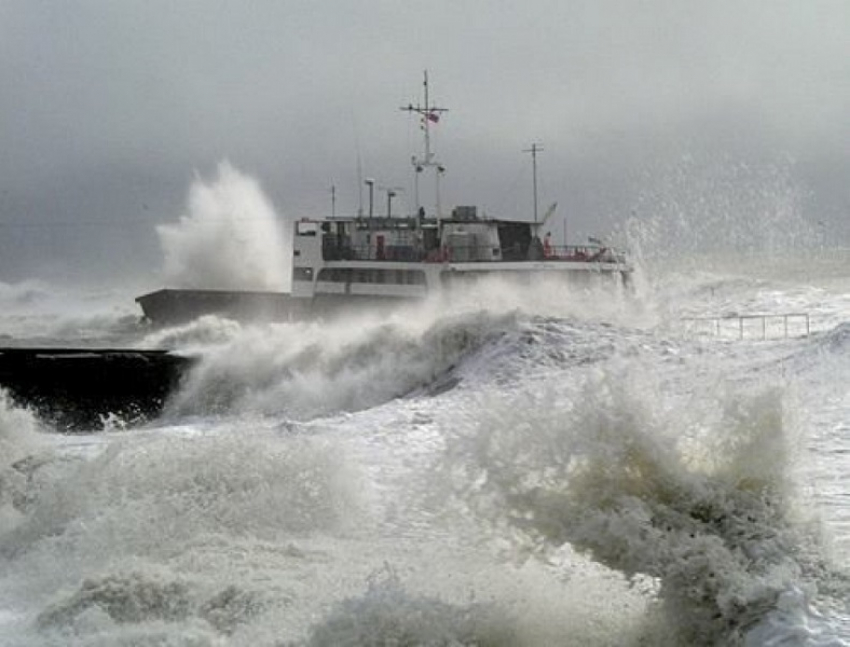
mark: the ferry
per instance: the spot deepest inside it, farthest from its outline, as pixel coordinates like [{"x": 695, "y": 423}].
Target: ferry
[{"x": 373, "y": 261}]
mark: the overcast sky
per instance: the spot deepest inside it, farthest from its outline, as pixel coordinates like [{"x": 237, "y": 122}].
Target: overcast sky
[{"x": 109, "y": 109}]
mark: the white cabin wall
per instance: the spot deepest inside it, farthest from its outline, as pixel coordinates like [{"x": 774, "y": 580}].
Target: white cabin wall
[{"x": 306, "y": 259}]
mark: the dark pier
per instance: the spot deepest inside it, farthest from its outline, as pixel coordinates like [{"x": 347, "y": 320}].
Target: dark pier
[{"x": 77, "y": 388}]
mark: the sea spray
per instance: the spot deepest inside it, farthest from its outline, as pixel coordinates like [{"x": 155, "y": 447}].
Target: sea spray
[
  {"x": 306, "y": 370},
  {"x": 19, "y": 431},
  {"x": 387, "y": 614},
  {"x": 704, "y": 210},
  {"x": 21, "y": 447},
  {"x": 35, "y": 313},
  {"x": 714, "y": 217},
  {"x": 647, "y": 491},
  {"x": 231, "y": 237},
  {"x": 196, "y": 336},
  {"x": 15, "y": 296},
  {"x": 319, "y": 367},
  {"x": 600, "y": 299},
  {"x": 148, "y": 605},
  {"x": 121, "y": 542},
  {"x": 152, "y": 496}
]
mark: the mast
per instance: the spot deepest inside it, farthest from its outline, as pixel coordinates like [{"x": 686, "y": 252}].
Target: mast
[
  {"x": 535, "y": 247},
  {"x": 535, "y": 148},
  {"x": 429, "y": 115}
]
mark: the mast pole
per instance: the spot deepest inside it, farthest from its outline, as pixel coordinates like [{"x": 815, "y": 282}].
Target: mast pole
[
  {"x": 428, "y": 115},
  {"x": 427, "y": 120},
  {"x": 535, "y": 148}
]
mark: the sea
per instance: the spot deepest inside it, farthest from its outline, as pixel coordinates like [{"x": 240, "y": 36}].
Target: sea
[{"x": 663, "y": 464}]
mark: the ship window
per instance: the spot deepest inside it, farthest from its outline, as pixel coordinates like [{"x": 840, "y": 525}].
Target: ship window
[
  {"x": 373, "y": 276},
  {"x": 306, "y": 228},
  {"x": 406, "y": 277},
  {"x": 302, "y": 274},
  {"x": 335, "y": 275}
]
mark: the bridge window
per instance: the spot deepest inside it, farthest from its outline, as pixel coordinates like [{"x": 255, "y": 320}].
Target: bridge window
[
  {"x": 306, "y": 228},
  {"x": 372, "y": 276}
]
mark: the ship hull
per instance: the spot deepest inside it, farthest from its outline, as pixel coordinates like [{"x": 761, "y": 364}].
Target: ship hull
[
  {"x": 175, "y": 306},
  {"x": 170, "y": 306}
]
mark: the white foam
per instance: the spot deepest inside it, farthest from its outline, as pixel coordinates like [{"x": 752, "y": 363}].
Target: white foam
[
  {"x": 231, "y": 237},
  {"x": 610, "y": 473}
]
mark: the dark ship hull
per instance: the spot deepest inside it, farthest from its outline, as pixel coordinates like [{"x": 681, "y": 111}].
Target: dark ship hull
[{"x": 177, "y": 306}]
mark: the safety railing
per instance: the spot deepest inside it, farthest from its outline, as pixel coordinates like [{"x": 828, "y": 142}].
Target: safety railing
[
  {"x": 468, "y": 253},
  {"x": 751, "y": 326}
]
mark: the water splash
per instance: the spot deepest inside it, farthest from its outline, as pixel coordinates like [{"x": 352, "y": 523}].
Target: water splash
[
  {"x": 152, "y": 498},
  {"x": 230, "y": 239},
  {"x": 705, "y": 212},
  {"x": 202, "y": 333},
  {"x": 308, "y": 370},
  {"x": 130, "y": 598},
  {"x": 150, "y": 600},
  {"x": 19, "y": 431},
  {"x": 20, "y": 442},
  {"x": 388, "y": 615},
  {"x": 36, "y": 313},
  {"x": 706, "y": 507}
]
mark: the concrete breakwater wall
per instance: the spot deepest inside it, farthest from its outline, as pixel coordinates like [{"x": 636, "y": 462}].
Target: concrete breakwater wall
[{"x": 79, "y": 389}]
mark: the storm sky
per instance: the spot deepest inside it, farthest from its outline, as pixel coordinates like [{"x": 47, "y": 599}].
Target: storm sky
[{"x": 110, "y": 110}]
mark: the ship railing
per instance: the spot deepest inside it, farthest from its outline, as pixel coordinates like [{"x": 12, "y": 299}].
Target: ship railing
[
  {"x": 582, "y": 253},
  {"x": 751, "y": 326},
  {"x": 469, "y": 253},
  {"x": 403, "y": 253}
]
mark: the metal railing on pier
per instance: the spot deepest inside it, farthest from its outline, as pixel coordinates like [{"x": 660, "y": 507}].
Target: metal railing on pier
[{"x": 751, "y": 326}]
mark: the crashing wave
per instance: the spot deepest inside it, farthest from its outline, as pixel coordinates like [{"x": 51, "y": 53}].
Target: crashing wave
[{"x": 709, "y": 513}]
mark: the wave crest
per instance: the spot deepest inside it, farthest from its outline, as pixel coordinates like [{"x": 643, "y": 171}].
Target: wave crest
[
  {"x": 708, "y": 511},
  {"x": 308, "y": 370}
]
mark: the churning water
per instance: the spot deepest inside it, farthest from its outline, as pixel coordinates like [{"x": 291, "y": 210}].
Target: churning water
[
  {"x": 467, "y": 476},
  {"x": 550, "y": 468}
]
